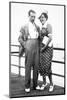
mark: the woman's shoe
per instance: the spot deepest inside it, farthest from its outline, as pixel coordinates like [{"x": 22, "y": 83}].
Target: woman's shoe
[
  {"x": 43, "y": 86},
  {"x": 51, "y": 88}
]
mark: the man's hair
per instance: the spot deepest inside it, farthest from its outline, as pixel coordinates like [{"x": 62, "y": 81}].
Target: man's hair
[{"x": 31, "y": 11}]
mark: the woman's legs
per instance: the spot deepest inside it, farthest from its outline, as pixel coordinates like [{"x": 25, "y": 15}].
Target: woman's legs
[
  {"x": 50, "y": 79},
  {"x": 44, "y": 83},
  {"x": 44, "y": 79},
  {"x": 51, "y": 83}
]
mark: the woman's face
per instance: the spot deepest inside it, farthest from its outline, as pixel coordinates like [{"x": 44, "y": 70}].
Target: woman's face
[{"x": 42, "y": 19}]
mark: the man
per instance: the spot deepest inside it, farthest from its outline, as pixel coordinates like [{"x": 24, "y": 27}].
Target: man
[{"x": 29, "y": 40}]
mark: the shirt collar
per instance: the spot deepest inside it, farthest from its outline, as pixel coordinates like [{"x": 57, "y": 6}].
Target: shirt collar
[{"x": 31, "y": 23}]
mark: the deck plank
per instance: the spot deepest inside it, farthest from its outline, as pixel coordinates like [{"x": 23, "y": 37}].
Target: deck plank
[{"x": 17, "y": 88}]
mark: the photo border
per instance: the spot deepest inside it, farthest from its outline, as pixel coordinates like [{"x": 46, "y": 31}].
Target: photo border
[{"x": 10, "y": 47}]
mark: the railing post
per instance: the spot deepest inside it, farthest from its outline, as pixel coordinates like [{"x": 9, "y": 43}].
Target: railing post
[{"x": 19, "y": 65}]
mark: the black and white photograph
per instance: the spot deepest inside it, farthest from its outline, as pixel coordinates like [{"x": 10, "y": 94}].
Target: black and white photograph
[{"x": 36, "y": 49}]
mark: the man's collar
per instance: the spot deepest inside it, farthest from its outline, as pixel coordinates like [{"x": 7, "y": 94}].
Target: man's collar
[{"x": 31, "y": 23}]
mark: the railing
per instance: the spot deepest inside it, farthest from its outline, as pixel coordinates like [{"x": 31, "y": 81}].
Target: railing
[{"x": 54, "y": 61}]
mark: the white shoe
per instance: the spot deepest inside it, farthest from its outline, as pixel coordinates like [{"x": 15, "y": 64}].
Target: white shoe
[
  {"x": 38, "y": 87},
  {"x": 51, "y": 88},
  {"x": 43, "y": 86},
  {"x": 27, "y": 90}
]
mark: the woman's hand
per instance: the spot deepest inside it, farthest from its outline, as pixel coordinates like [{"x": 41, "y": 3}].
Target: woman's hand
[{"x": 42, "y": 49}]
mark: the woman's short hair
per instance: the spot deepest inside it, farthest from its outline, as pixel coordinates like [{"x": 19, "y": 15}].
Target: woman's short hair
[{"x": 45, "y": 15}]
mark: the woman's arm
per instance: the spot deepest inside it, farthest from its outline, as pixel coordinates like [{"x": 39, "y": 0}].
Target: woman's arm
[
  {"x": 49, "y": 30},
  {"x": 49, "y": 40}
]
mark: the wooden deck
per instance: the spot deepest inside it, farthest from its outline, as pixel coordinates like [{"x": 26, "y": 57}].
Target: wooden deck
[{"x": 17, "y": 88}]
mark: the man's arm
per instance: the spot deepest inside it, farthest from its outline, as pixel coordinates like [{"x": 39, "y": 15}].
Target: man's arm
[
  {"x": 21, "y": 36},
  {"x": 21, "y": 41},
  {"x": 38, "y": 30}
]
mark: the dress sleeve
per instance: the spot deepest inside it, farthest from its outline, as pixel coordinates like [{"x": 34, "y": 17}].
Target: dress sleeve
[{"x": 49, "y": 29}]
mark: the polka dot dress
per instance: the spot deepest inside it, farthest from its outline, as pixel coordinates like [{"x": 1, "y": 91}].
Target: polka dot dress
[{"x": 45, "y": 59}]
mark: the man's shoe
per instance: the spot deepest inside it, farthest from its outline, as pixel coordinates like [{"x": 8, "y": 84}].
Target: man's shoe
[
  {"x": 27, "y": 90},
  {"x": 38, "y": 87}
]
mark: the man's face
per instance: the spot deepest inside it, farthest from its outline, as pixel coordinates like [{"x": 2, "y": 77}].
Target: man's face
[{"x": 32, "y": 17}]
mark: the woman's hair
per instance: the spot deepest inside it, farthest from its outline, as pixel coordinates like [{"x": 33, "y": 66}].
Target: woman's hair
[{"x": 45, "y": 15}]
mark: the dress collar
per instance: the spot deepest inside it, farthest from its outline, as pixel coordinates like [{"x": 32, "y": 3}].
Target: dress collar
[{"x": 45, "y": 25}]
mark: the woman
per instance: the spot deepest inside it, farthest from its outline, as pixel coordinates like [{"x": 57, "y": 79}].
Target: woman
[{"x": 46, "y": 51}]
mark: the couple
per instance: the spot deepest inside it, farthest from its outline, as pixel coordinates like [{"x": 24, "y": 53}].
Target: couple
[{"x": 37, "y": 54}]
